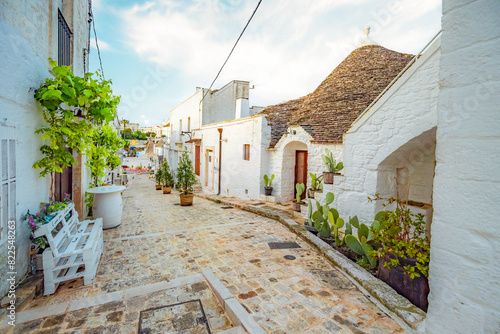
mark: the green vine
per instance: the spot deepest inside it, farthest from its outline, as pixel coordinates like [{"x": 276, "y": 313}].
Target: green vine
[{"x": 89, "y": 97}]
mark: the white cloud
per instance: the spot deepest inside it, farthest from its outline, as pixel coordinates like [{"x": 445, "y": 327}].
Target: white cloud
[
  {"x": 288, "y": 48},
  {"x": 102, "y": 44}
]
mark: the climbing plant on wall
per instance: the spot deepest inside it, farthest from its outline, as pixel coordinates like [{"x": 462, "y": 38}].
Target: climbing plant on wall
[{"x": 63, "y": 98}]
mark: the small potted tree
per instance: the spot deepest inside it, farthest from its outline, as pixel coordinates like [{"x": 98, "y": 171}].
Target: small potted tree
[
  {"x": 158, "y": 179},
  {"x": 185, "y": 179},
  {"x": 316, "y": 185},
  {"x": 267, "y": 184},
  {"x": 300, "y": 187},
  {"x": 166, "y": 177},
  {"x": 333, "y": 167}
]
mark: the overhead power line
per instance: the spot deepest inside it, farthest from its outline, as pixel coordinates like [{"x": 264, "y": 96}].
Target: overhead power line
[
  {"x": 230, "y": 53},
  {"x": 96, "y": 42}
]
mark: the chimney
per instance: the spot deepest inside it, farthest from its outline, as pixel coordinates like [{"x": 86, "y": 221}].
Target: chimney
[{"x": 242, "y": 108}]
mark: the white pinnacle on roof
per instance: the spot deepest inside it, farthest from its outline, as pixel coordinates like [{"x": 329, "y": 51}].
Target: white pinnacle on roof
[{"x": 367, "y": 41}]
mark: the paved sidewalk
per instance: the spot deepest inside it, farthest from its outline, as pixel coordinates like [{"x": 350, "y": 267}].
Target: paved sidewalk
[{"x": 159, "y": 241}]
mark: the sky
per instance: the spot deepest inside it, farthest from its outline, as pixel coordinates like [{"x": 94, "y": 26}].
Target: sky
[{"x": 157, "y": 52}]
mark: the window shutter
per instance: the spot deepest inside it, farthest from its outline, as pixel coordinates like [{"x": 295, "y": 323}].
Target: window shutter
[{"x": 8, "y": 171}]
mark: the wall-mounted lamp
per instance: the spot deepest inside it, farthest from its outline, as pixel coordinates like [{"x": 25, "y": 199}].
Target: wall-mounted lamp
[{"x": 186, "y": 133}]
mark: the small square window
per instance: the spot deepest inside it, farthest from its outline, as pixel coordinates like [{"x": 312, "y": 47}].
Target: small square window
[{"x": 246, "y": 151}]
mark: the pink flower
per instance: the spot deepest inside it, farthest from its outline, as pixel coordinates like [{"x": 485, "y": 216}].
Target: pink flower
[
  {"x": 33, "y": 226},
  {"x": 37, "y": 215},
  {"x": 31, "y": 219}
]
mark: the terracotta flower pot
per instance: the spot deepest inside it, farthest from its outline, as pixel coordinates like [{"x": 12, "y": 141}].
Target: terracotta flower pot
[
  {"x": 310, "y": 193},
  {"x": 186, "y": 200},
  {"x": 296, "y": 206},
  {"x": 328, "y": 177},
  {"x": 158, "y": 187},
  {"x": 167, "y": 190}
]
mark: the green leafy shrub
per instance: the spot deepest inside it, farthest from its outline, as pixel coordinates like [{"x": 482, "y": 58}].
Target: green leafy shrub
[
  {"x": 166, "y": 177},
  {"x": 185, "y": 175},
  {"x": 402, "y": 233}
]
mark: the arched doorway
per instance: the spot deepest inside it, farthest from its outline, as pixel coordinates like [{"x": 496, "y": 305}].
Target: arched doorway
[
  {"x": 293, "y": 168},
  {"x": 408, "y": 174}
]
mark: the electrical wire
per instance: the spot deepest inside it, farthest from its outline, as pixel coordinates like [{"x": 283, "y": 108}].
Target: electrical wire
[
  {"x": 230, "y": 53},
  {"x": 96, "y": 43}
]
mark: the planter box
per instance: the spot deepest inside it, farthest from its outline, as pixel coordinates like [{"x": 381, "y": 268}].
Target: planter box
[{"x": 415, "y": 290}]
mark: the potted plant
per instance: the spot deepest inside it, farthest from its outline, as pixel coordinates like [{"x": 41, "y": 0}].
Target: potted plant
[
  {"x": 316, "y": 185},
  {"x": 267, "y": 184},
  {"x": 166, "y": 177},
  {"x": 300, "y": 187},
  {"x": 44, "y": 216},
  {"x": 404, "y": 251},
  {"x": 158, "y": 179},
  {"x": 185, "y": 179},
  {"x": 333, "y": 167}
]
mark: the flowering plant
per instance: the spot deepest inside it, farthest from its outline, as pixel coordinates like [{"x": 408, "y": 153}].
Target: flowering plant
[{"x": 45, "y": 215}]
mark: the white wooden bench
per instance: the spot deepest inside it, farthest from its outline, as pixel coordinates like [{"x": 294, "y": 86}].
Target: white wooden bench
[{"x": 75, "y": 248}]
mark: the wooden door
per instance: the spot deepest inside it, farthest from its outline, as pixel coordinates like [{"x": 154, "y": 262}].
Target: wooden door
[
  {"x": 209, "y": 169},
  {"x": 63, "y": 183},
  {"x": 300, "y": 171},
  {"x": 197, "y": 160}
]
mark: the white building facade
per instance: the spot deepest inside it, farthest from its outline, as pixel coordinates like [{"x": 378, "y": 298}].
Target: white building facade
[{"x": 29, "y": 36}]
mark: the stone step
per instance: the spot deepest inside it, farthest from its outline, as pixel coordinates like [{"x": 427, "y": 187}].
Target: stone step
[
  {"x": 26, "y": 291},
  {"x": 234, "y": 330}
]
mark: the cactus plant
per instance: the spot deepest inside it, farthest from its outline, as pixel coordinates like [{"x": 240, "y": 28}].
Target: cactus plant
[
  {"x": 333, "y": 166},
  {"x": 363, "y": 248},
  {"x": 316, "y": 181},
  {"x": 321, "y": 219},
  {"x": 300, "y": 187},
  {"x": 268, "y": 181},
  {"x": 309, "y": 213}
]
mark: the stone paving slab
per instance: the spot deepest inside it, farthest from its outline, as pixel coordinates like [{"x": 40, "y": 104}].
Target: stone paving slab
[
  {"x": 159, "y": 241},
  {"x": 123, "y": 314}
]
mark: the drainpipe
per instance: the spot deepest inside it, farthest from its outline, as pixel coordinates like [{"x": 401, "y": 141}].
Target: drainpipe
[{"x": 220, "y": 157}]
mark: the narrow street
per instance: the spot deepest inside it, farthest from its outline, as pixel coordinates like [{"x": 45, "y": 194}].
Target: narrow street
[{"x": 156, "y": 256}]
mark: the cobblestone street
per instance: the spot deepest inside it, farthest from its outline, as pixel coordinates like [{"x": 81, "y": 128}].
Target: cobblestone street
[{"x": 155, "y": 258}]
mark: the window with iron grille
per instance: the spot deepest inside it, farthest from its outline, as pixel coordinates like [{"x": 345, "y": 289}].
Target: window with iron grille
[
  {"x": 64, "y": 41},
  {"x": 246, "y": 151},
  {"x": 7, "y": 180}
]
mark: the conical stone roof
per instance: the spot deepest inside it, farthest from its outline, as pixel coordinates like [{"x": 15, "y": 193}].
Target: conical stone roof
[{"x": 328, "y": 112}]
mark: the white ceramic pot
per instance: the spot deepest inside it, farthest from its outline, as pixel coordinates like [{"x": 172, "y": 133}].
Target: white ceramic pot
[{"x": 108, "y": 205}]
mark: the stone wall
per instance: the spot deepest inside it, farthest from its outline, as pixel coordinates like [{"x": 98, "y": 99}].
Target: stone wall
[
  {"x": 240, "y": 178},
  {"x": 220, "y": 105},
  {"x": 282, "y": 160},
  {"x": 27, "y": 42},
  {"x": 371, "y": 157},
  {"x": 464, "y": 271}
]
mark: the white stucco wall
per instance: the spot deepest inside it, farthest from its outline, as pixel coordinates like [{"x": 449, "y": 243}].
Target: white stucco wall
[
  {"x": 464, "y": 271},
  {"x": 189, "y": 109},
  {"x": 25, "y": 48},
  {"x": 406, "y": 111},
  {"x": 240, "y": 178},
  {"x": 221, "y": 105},
  {"x": 282, "y": 160}
]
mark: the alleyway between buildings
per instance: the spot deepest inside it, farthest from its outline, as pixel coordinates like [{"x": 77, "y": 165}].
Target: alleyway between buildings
[{"x": 156, "y": 257}]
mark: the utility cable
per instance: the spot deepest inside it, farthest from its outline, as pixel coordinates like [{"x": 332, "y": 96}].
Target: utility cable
[
  {"x": 96, "y": 43},
  {"x": 230, "y": 53}
]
